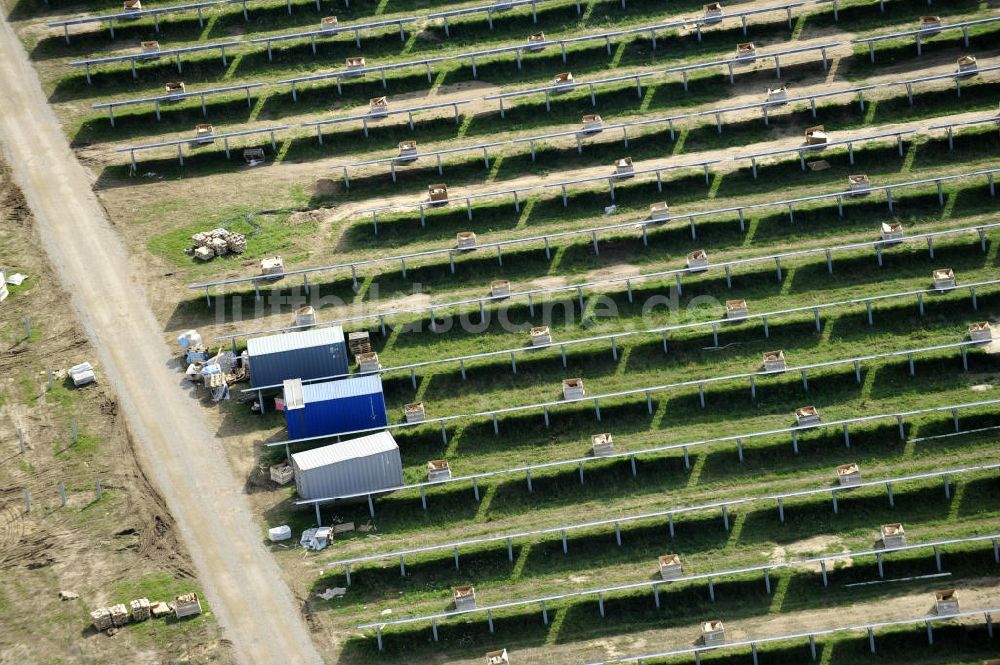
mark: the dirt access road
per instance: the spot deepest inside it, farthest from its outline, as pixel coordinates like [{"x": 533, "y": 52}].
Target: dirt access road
[{"x": 241, "y": 580}]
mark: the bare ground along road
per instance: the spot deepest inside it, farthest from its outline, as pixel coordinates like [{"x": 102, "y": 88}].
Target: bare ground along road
[{"x": 241, "y": 580}]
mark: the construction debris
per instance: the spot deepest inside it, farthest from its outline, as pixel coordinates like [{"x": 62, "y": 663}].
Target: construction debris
[
  {"x": 206, "y": 245},
  {"x": 68, "y": 595},
  {"x": 282, "y": 473}
]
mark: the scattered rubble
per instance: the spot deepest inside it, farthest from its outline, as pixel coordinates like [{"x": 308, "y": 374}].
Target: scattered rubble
[{"x": 217, "y": 242}]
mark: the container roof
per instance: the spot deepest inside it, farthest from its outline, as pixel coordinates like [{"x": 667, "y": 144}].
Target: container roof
[
  {"x": 294, "y": 341},
  {"x": 365, "y": 446},
  {"x": 342, "y": 388}
]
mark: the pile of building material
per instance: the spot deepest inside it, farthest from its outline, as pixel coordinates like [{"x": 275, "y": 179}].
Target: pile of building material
[
  {"x": 944, "y": 278},
  {"x": 697, "y": 261},
  {"x": 140, "y": 609},
  {"x": 713, "y": 632},
  {"x": 737, "y": 309},
  {"x": 777, "y": 96},
  {"x": 305, "y": 316},
  {"x": 535, "y": 41},
  {"x": 816, "y": 136},
  {"x": 573, "y": 389},
  {"x": 415, "y": 412},
  {"x": 438, "y": 469},
  {"x": 343, "y": 527},
  {"x": 893, "y": 535},
  {"x": 540, "y": 336},
  {"x": 358, "y": 343},
  {"x": 602, "y": 444},
  {"x": 101, "y": 618},
  {"x": 187, "y": 605},
  {"x": 500, "y": 288},
  {"x": 464, "y": 597},
  {"x": 848, "y": 474},
  {"x": 159, "y": 609},
  {"x": 946, "y": 602},
  {"x": 807, "y": 415},
  {"x": 659, "y": 212},
  {"x": 116, "y": 616},
  {"x": 368, "y": 362},
  {"x": 562, "y": 81},
  {"x": 774, "y": 361},
  {"x": 670, "y": 567},
  {"x": 217, "y": 242},
  {"x": 713, "y": 12},
  {"x": 279, "y": 533},
  {"x": 282, "y": 473},
  {"x": 892, "y": 232},
  {"x": 746, "y": 52},
  {"x": 967, "y": 66},
  {"x": 216, "y": 373},
  {"x": 82, "y": 374},
  {"x": 980, "y": 331},
  {"x": 316, "y": 539}
]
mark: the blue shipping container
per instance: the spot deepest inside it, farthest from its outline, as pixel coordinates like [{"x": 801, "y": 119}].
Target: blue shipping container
[
  {"x": 334, "y": 407},
  {"x": 309, "y": 354}
]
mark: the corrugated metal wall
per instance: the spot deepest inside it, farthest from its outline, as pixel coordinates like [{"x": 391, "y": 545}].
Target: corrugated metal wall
[
  {"x": 369, "y": 473},
  {"x": 313, "y": 362},
  {"x": 334, "y": 416}
]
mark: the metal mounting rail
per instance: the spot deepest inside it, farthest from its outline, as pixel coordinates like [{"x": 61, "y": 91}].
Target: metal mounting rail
[
  {"x": 647, "y": 392},
  {"x": 685, "y": 447},
  {"x": 811, "y": 636},
  {"x": 180, "y": 143},
  {"x": 611, "y": 179},
  {"x": 165, "y": 99},
  {"x": 176, "y": 53},
  {"x": 628, "y": 282},
  {"x": 590, "y": 231},
  {"x": 921, "y": 33},
  {"x": 660, "y": 514},
  {"x": 394, "y": 162},
  {"x": 655, "y": 585},
  {"x": 518, "y": 49}
]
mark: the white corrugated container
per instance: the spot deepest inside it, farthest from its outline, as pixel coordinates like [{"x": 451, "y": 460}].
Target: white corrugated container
[{"x": 366, "y": 464}]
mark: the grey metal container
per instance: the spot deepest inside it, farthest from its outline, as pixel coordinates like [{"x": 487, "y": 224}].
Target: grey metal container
[
  {"x": 366, "y": 464},
  {"x": 310, "y": 354}
]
